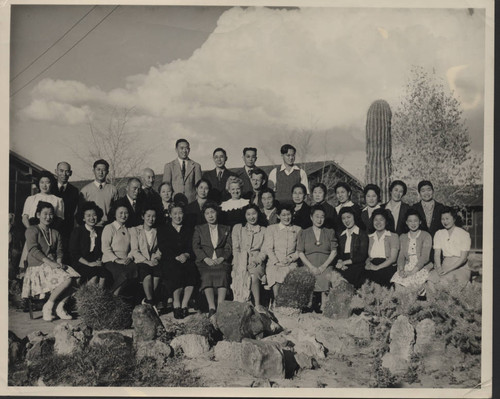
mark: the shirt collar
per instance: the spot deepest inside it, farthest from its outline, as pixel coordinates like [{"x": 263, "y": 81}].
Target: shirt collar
[
  {"x": 247, "y": 169},
  {"x": 283, "y": 167},
  {"x": 355, "y": 230},
  {"x": 117, "y": 225},
  {"x": 131, "y": 200},
  {"x": 387, "y": 233},
  {"x": 98, "y": 184},
  {"x": 59, "y": 185},
  {"x": 281, "y": 226},
  {"x": 181, "y": 160},
  {"x": 212, "y": 226},
  {"x": 375, "y": 207}
]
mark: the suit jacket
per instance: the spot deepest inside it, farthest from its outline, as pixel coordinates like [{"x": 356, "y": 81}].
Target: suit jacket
[
  {"x": 71, "y": 198},
  {"x": 247, "y": 189},
  {"x": 173, "y": 175},
  {"x": 173, "y": 243},
  {"x": 202, "y": 244},
  {"x": 358, "y": 249},
  {"x": 436, "y": 217},
  {"x": 218, "y": 192},
  {"x": 139, "y": 247},
  {"x": 150, "y": 197},
  {"x": 424, "y": 245},
  {"x": 134, "y": 216},
  {"x": 79, "y": 245},
  {"x": 401, "y": 227}
]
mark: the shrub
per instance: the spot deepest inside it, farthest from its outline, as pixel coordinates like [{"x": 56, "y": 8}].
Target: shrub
[
  {"x": 382, "y": 377},
  {"x": 296, "y": 290},
  {"x": 101, "y": 310}
]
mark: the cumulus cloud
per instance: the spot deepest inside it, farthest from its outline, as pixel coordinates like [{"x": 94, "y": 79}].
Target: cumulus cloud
[{"x": 267, "y": 71}]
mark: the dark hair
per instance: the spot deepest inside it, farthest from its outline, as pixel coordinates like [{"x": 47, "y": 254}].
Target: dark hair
[
  {"x": 346, "y": 209},
  {"x": 258, "y": 171},
  {"x": 112, "y": 212},
  {"x": 285, "y": 207},
  {"x": 374, "y": 188},
  {"x": 385, "y": 214},
  {"x": 411, "y": 212},
  {"x": 221, "y": 150},
  {"x": 398, "y": 183},
  {"x": 285, "y": 147},
  {"x": 181, "y": 141},
  {"x": 316, "y": 208},
  {"x": 149, "y": 207},
  {"x": 180, "y": 198},
  {"x": 344, "y": 185},
  {"x": 41, "y": 205},
  {"x": 454, "y": 214},
  {"x": 210, "y": 205},
  {"x": 49, "y": 176},
  {"x": 101, "y": 162},
  {"x": 267, "y": 190},
  {"x": 203, "y": 181},
  {"x": 89, "y": 206},
  {"x": 299, "y": 185},
  {"x": 165, "y": 183},
  {"x": 249, "y": 149},
  {"x": 425, "y": 183},
  {"x": 176, "y": 204},
  {"x": 322, "y": 186},
  {"x": 254, "y": 207}
]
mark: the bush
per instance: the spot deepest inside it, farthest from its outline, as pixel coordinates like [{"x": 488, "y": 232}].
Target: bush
[
  {"x": 296, "y": 290},
  {"x": 101, "y": 310}
]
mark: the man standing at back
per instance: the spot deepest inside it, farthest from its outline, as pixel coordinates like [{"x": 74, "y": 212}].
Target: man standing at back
[
  {"x": 249, "y": 158},
  {"x": 218, "y": 177},
  {"x": 183, "y": 173},
  {"x": 148, "y": 195}
]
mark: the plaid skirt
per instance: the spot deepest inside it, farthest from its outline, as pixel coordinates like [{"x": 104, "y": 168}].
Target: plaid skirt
[{"x": 42, "y": 279}]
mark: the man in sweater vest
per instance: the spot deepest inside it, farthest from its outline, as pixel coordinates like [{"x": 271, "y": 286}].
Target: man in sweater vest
[
  {"x": 102, "y": 193},
  {"x": 282, "y": 179}
]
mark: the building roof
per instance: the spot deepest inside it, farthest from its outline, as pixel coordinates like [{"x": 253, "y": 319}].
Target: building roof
[{"x": 24, "y": 161}]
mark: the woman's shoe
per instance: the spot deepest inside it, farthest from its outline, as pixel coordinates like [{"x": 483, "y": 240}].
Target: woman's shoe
[
  {"x": 178, "y": 313},
  {"x": 185, "y": 312},
  {"x": 211, "y": 312},
  {"x": 47, "y": 311},
  {"x": 61, "y": 312}
]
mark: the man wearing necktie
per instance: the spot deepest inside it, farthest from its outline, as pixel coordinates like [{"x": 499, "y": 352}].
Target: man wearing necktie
[
  {"x": 249, "y": 158},
  {"x": 183, "y": 173},
  {"x": 148, "y": 194},
  {"x": 218, "y": 177},
  {"x": 132, "y": 202}
]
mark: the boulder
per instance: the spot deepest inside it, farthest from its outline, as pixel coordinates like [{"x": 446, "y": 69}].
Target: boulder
[
  {"x": 282, "y": 340},
  {"x": 359, "y": 327},
  {"x": 39, "y": 346},
  {"x": 310, "y": 346},
  {"x": 261, "y": 383},
  {"x": 402, "y": 337},
  {"x": 426, "y": 335},
  {"x": 227, "y": 350},
  {"x": 338, "y": 343},
  {"x": 282, "y": 311},
  {"x": 192, "y": 345},
  {"x": 238, "y": 320},
  {"x": 17, "y": 347},
  {"x": 200, "y": 325},
  {"x": 338, "y": 304},
  {"x": 156, "y": 349},
  {"x": 147, "y": 324},
  {"x": 262, "y": 359},
  {"x": 112, "y": 339},
  {"x": 306, "y": 362},
  {"x": 70, "y": 338}
]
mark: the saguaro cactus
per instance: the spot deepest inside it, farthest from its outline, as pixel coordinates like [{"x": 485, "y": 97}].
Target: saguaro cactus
[{"x": 378, "y": 146}]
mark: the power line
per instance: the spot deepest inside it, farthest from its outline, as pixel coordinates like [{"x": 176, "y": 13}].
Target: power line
[
  {"x": 57, "y": 41},
  {"x": 67, "y": 51}
]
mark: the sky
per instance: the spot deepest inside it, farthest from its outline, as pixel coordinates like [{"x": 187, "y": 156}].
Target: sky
[{"x": 232, "y": 77}]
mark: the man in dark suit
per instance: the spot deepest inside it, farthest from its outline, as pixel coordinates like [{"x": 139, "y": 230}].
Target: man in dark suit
[
  {"x": 183, "y": 173},
  {"x": 259, "y": 181},
  {"x": 132, "y": 202},
  {"x": 70, "y": 197},
  {"x": 429, "y": 209},
  {"x": 249, "y": 158},
  {"x": 218, "y": 177},
  {"x": 148, "y": 195}
]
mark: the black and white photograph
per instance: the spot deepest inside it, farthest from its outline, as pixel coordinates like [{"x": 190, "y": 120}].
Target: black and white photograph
[{"x": 291, "y": 195}]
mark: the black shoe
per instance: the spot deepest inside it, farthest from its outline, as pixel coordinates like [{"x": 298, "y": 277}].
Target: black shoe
[
  {"x": 211, "y": 312},
  {"x": 185, "y": 312},
  {"x": 178, "y": 313}
]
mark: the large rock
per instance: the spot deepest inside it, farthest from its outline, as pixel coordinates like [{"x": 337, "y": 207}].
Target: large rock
[
  {"x": 40, "y": 345},
  {"x": 402, "y": 337},
  {"x": 70, "y": 338},
  {"x": 156, "y": 349},
  {"x": 238, "y": 320},
  {"x": 199, "y": 324},
  {"x": 17, "y": 347},
  {"x": 112, "y": 339},
  {"x": 192, "y": 345},
  {"x": 262, "y": 359},
  {"x": 426, "y": 336},
  {"x": 227, "y": 350},
  {"x": 147, "y": 324},
  {"x": 338, "y": 305},
  {"x": 310, "y": 346}
]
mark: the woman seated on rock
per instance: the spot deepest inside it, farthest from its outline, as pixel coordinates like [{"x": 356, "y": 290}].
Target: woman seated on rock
[
  {"x": 146, "y": 254},
  {"x": 318, "y": 193},
  {"x": 301, "y": 215},
  {"x": 269, "y": 207},
  {"x": 213, "y": 250},
  {"x": 451, "y": 251},
  {"x": 317, "y": 248},
  {"x": 249, "y": 271},
  {"x": 177, "y": 259},
  {"x": 116, "y": 250},
  {"x": 280, "y": 245},
  {"x": 85, "y": 246},
  {"x": 193, "y": 212},
  {"x": 344, "y": 192},
  {"x": 414, "y": 254},
  {"x": 383, "y": 248},
  {"x": 372, "y": 199},
  {"x": 45, "y": 272},
  {"x": 232, "y": 209},
  {"x": 353, "y": 249}
]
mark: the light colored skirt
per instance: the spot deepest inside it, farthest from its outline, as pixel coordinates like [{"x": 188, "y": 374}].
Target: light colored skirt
[
  {"x": 241, "y": 276},
  {"x": 460, "y": 276},
  {"x": 277, "y": 274},
  {"x": 416, "y": 280},
  {"x": 43, "y": 279}
]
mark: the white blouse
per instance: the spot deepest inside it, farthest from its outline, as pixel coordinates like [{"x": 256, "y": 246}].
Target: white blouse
[
  {"x": 32, "y": 201},
  {"x": 454, "y": 244},
  {"x": 378, "y": 247}
]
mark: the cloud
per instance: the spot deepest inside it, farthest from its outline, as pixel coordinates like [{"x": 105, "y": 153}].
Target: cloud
[{"x": 268, "y": 71}]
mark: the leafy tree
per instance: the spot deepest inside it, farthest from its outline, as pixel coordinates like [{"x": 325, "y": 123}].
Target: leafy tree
[{"x": 430, "y": 141}]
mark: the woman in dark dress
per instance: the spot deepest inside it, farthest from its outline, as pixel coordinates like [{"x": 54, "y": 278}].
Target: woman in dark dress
[
  {"x": 213, "y": 251},
  {"x": 372, "y": 199},
  {"x": 177, "y": 259},
  {"x": 319, "y": 192},
  {"x": 269, "y": 210},
  {"x": 343, "y": 192},
  {"x": 193, "y": 215},
  {"x": 85, "y": 246},
  {"x": 353, "y": 249},
  {"x": 232, "y": 209},
  {"x": 396, "y": 208},
  {"x": 301, "y": 211},
  {"x": 166, "y": 194},
  {"x": 383, "y": 249}
]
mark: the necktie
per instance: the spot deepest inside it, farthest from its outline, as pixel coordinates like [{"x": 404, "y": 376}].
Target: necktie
[
  {"x": 61, "y": 189},
  {"x": 219, "y": 175},
  {"x": 183, "y": 169},
  {"x": 100, "y": 186},
  {"x": 250, "y": 173},
  {"x": 133, "y": 204}
]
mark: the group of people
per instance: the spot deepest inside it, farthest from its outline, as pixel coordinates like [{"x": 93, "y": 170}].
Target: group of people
[{"x": 218, "y": 232}]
